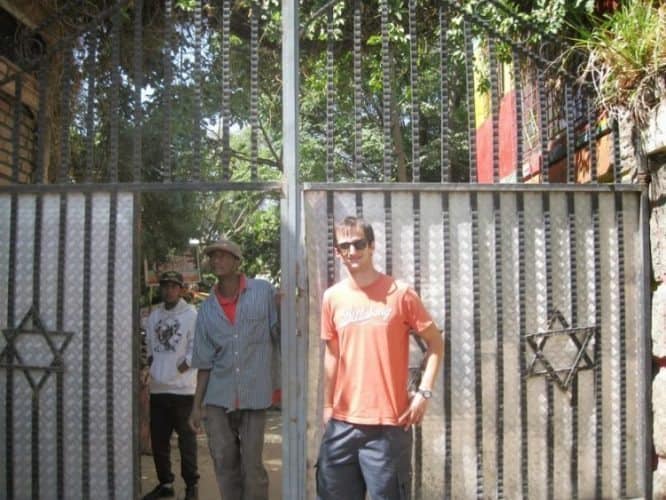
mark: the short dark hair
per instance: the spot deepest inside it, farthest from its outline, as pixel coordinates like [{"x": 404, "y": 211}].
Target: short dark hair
[{"x": 351, "y": 222}]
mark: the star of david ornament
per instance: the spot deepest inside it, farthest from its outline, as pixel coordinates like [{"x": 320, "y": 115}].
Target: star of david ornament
[
  {"x": 559, "y": 353},
  {"x": 38, "y": 357}
]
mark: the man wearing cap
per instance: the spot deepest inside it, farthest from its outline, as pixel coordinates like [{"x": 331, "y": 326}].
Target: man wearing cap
[
  {"x": 236, "y": 332},
  {"x": 169, "y": 339}
]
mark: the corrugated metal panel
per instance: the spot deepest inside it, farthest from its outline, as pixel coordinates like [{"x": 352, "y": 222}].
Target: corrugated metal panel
[
  {"x": 70, "y": 422},
  {"x": 553, "y": 262}
]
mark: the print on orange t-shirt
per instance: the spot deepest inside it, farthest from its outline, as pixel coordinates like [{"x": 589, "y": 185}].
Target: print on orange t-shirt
[{"x": 372, "y": 325}]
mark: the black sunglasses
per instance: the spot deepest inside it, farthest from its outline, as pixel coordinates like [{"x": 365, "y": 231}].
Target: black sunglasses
[{"x": 358, "y": 245}]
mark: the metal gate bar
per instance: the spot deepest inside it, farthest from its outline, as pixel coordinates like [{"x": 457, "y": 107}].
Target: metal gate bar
[{"x": 545, "y": 332}]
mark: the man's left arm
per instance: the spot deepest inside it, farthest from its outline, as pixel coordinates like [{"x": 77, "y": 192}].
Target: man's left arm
[{"x": 433, "y": 360}]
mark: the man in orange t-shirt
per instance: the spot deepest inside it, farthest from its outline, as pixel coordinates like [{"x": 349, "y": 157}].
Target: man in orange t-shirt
[{"x": 366, "y": 321}]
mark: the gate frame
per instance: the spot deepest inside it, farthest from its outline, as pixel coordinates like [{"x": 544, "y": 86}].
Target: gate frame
[
  {"x": 643, "y": 282},
  {"x": 294, "y": 280}
]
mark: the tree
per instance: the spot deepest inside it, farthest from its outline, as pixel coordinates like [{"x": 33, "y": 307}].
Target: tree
[{"x": 192, "y": 106}]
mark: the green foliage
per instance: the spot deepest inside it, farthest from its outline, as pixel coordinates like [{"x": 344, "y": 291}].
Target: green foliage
[
  {"x": 168, "y": 221},
  {"x": 250, "y": 219},
  {"x": 623, "y": 55}
]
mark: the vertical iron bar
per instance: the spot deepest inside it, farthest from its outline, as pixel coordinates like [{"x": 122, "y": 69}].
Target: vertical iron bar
[
  {"x": 478, "y": 380},
  {"x": 11, "y": 320},
  {"x": 34, "y": 439},
  {"x": 543, "y": 120},
  {"x": 389, "y": 232},
  {"x": 499, "y": 345},
  {"x": 166, "y": 169},
  {"x": 41, "y": 176},
  {"x": 518, "y": 86},
  {"x": 90, "y": 105},
  {"x": 85, "y": 349},
  {"x": 522, "y": 320},
  {"x": 598, "y": 373},
  {"x": 358, "y": 91},
  {"x": 571, "y": 209},
  {"x": 255, "y": 14},
  {"x": 60, "y": 326},
  {"x": 330, "y": 257},
  {"x": 198, "y": 83},
  {"x": 416, "y": 217},
  {"x": 444, "y": 104},
  {"x": 617, "y": 156},
  {"x": 550, "y": 424},
  {"x": 414, "y": 79},
  {"x": 114, "y": 131},
  {"x": 619, "y": 221},
  {"x": 226, "y": 89},
  {"x": 447, "y": 370},
  {"x": 330, "y": 96},
  {"x": 66, "y": 89},
  {"x": 592, "y": 134},
  {"x": 136, "y": 341},
  {"x": 495, "y": 107},
  {"x": 418, "y": 434},
  {"x": 569, "y": 114},
  {"x": 387, "y": 93},
  {"x": 138, "y": 86},
  {"x": 110, "y": 316},
  {"x": 16, "y": 128},
  {"x": 543, "y": 126},
  {"x": 471, "y": 109},
  {"x": 36, "y": 270}
]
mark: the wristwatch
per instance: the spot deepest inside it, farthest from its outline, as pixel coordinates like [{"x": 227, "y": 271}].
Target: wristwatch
[{"x": 425, "y": 393}]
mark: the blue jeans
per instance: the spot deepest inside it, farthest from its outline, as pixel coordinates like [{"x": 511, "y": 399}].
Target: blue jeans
[
  {"x": 355, "y": 459},
  {"x": 236, "y": 443}
]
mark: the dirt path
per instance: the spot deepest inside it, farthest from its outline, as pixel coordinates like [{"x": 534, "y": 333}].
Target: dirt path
[{"x": 207, "y": 486}]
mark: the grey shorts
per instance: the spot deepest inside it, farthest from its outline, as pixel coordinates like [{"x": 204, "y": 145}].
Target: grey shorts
[{"x": 355, "y": 459}]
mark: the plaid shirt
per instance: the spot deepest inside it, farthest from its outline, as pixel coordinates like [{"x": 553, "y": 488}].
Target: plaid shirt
[{"x": 238, "y": 355}]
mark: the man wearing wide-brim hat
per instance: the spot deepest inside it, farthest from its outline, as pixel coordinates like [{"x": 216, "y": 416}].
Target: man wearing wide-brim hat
[{"x": 236, "y": 333}]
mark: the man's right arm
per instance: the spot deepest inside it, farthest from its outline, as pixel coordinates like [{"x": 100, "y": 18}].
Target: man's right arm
[
  {"x": 331, "y": 358},
  {"x": 197, "y": 405}
]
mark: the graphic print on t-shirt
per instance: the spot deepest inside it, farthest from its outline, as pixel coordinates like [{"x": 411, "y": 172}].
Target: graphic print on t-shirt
[
  {"x": 168, "y": 334},
  {"x": 362, "y": 314}
]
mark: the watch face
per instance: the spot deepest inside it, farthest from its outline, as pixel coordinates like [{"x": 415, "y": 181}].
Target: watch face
[{"x": 426, "y": 394}]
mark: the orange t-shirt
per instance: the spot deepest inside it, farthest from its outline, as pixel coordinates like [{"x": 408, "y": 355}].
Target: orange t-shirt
[
  {"x": 229, "y": 304},
  {"x": 372, "y": 325}
]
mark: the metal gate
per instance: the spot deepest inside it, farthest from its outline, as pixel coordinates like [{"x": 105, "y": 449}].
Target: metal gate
[
  {"x": 540, "y": 285},
  {"x": 68, "y": 344},
  {"x": 540, "y": 294}
]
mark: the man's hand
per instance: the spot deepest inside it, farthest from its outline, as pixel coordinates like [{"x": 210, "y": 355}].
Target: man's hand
[
  {"x": 144, "y": 376},
  {"x": 326, "y": 415},
  {"x": 183, "y": 366},
  {"x": 195, "y": 418},
  {"x": 414, "y": 414}
]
